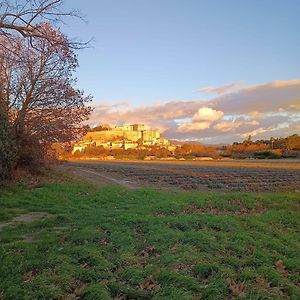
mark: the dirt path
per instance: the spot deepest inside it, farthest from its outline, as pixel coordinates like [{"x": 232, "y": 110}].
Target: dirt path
[
  {"x": 25, "y": 218},
  {"x": 99, "y": 179}
]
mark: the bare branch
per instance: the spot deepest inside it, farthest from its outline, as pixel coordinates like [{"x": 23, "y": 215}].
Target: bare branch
[
  {"x": 38, "y": 86},
  {"x": 25, "y": 18}
]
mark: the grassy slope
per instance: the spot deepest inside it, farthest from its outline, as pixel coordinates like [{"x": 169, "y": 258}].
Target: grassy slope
[{"x": 145, "y": 244}]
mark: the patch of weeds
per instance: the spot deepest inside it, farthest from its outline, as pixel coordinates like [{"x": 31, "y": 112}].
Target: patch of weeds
[
  {"x": 121, "y": 291},
  {"x": 83, "y": 236},
  {"x": 205, "y": 271},
  {"x": 133, "y": 275},
  {"x": 173, "y": 293},
  {"x": 89, "y": 256},
  {"x": 248, "y": 275},
  {"x": 216, "y": 289},
  {"x": 95, "y": 292},
  {"x": 167, "y": 278}
]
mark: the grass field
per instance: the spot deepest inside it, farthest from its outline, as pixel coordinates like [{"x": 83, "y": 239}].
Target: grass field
[{"x": 70, "y": 240}]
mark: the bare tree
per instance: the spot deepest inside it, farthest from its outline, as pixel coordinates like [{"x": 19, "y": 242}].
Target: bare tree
[
  {"x": 38, "y": 89},
  {"x": 39, "y": 101},
  {"x": 24, "y": 17}
]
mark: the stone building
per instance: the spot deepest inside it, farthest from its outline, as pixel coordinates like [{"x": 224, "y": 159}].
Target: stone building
[{"x": 132, "y": 136}]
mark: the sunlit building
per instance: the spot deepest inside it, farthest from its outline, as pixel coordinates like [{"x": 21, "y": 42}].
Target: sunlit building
[{"x": 125, "y": 137}]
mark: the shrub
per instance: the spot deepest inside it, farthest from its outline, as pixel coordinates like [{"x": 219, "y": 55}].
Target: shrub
[
  {"x": 266, "y": 155},
  {"x": 291, "y": 154},
  {"x": 32, "y": 155}
]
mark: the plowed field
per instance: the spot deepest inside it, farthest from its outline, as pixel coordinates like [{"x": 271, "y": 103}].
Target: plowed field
[{"x": 257, "y": 176}]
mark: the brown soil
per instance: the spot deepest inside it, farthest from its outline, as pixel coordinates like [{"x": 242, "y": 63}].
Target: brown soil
[
  {"x": 150, "y": 285},
  {"x": 149, "y": 250},
  {"x": 200, "y": 176}
]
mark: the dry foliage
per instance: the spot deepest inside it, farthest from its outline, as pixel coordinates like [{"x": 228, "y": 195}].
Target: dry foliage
[
  {"x": 280, "y": 267},
  {"x": 236, "y": 289},
  {"x": 29, "y": 276},
  {"x": 149, "y": 250},
  {"x": 150, "y": 285}
]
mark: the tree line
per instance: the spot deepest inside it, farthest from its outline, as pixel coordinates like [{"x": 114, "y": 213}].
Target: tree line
[{"x": 265, "y": 148}]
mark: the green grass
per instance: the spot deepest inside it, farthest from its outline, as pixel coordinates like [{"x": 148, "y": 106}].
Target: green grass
[{"x": 113, "y": 243}]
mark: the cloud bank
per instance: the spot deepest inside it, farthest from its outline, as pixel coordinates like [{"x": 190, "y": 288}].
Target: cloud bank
[{"x": 271, "y": 109}]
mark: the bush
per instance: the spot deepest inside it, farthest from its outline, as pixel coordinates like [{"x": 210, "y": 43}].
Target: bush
[
  {"x": 8, "y": 149},
  {"x": 31, "y": 154},
  {"x": 266, "y": 155},
  {"x": 291, "y": 154}
]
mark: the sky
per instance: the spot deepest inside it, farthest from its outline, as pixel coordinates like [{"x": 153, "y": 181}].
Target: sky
[{"x": 212, "y": 71}]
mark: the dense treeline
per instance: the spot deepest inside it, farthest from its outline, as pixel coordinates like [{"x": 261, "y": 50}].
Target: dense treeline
[{"x": 272, "y": 148}]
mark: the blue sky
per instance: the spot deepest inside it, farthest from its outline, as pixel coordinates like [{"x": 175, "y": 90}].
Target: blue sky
[{"x": 156, "y": 51}]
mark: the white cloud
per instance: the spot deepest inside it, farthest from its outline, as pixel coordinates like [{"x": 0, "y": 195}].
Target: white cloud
[
  {"x": 201, "y": 120},
  {"x": 207, "y": 114}
]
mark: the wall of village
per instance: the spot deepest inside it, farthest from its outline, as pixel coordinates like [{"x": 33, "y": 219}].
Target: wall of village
[
  {"x": 126, "y": 137},
  {"x": 111, "y": 135}
]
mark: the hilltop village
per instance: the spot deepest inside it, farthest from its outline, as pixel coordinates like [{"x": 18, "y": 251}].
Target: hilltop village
[
  {"x": 134, "y": 136},
  {"x": 137, "y": 142}
]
